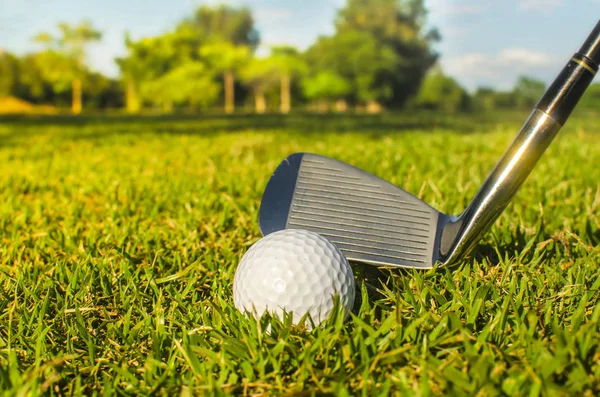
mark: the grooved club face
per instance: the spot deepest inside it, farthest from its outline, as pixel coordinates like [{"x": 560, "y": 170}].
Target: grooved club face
[{"x": 369, "y": 219}]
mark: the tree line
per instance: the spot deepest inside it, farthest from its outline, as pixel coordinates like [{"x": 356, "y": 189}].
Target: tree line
[{"x": 381, "y": 55}]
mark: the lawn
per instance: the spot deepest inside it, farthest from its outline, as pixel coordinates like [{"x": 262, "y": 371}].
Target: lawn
[{"x": 119, "y": 239}]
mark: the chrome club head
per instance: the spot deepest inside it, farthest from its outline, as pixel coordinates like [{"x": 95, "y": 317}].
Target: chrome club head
[{"x": 369, "y": 219}]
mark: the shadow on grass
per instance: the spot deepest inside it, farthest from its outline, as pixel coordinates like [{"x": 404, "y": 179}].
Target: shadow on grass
[{"x": 96, "y": 127}]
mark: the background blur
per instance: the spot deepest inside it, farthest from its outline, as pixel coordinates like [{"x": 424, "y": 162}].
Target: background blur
[{"x": 261, "y": 56}]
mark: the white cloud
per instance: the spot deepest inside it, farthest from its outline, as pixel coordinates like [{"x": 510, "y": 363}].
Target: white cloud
[
  {"x": 540, "y": 5},
  {"x": 500, "y": 69},
  {"x": 523, "y": 57},
  {"x": 456, "y": 31}
]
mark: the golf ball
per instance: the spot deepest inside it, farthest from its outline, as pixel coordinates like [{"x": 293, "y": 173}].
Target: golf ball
[{"x": 293, "y": 270}]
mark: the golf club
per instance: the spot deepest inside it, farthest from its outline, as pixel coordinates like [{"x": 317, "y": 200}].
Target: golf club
[{"x": 375, "y": 222}]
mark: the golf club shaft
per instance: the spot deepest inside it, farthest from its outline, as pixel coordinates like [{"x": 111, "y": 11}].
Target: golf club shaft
[{"x": 549, "y": 115}]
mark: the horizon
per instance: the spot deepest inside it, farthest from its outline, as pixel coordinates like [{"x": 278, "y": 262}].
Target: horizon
[{"x": 495, "y": 57}]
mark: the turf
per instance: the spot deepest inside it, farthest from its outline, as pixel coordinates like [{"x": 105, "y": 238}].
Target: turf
[{"x": 119, "y": 239}]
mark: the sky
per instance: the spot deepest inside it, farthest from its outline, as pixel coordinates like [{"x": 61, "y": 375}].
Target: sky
[{"x": 484, "y": 42}]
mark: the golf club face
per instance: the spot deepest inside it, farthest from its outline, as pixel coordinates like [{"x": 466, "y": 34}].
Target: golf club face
[{"x": 369, "y": 219}]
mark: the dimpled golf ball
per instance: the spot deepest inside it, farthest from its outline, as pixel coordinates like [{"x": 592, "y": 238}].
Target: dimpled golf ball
[{"x": 293, "y": 270}]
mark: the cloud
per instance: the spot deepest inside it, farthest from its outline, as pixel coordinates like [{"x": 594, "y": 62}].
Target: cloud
[
  {"x": 456, "y": 31},
  {"x": 500, "y": 69},
  {"x": 272, "y": 14},
  {"x": 540, "y": 5},
  {"x": 526, "y": 58}
]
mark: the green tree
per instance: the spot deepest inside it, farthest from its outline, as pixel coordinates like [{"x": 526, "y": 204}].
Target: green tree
[
  {"x": 133, "y": 70},
  {"x": 325, "y": 87},
  {"x": 9, "y": 74},
  {"x": 397, "y": 27},
  {"x": 259, "y": 75},
  {"x": 441, "y": 92},
  {"x": 287, "y": 64},
  {"x": 31, "y": 84},
  {"x": 591, "y": 98},
  {"x": 64, "y": 58},
  {"x": 151, "y": 58},
  {"x": 222, "y": 23},
  {"x": 484, "y": 99},
  {"x": 528, "y": 91},
  {"x": 357, "y": 58},
  {"x": 148, "y": 60},
  {"x": 189, "y": 83},
  {"x": 227, "y": 59}
]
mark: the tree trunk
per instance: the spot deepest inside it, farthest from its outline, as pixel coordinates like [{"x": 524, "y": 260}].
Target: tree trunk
[
  {"x": 229, "y": 93},
  {"x": 322, "y": 106},
  {"x": 373, "y": 107},
  {"x": 76, "y": 104},
  {"x": 286, "y": 102},
  {"x": 132, "y": 103},
  {"x": 260, "y": 102},
  {"x": 341, "y": 105}
]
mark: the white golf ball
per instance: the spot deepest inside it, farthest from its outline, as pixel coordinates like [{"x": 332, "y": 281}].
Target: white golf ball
[{"x": 293, "y": 270}]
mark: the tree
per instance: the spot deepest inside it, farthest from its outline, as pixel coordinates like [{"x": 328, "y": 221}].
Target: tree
[
  {"x": 64, "y": 58},
  {"x": 287, "y": 63},
  {"x": 148, "y": 60},
  {"x": 396, "y": 27},
  {"x": 8, "y": 73},
  {"x": 222, "y": 23},
  {"x": 357, "y": 58},
  {"x": 190, "y": 83},
  {"x": 210, "y": 29},
  {"x": 228, "y": 59},
  {"x": 591, "y": 98},
  {"x": 132, "y": 70},
  {"x": 325, "y": 86},
  {"x": 441, "y": 92},
  {"x": 484, "y": 99},
  {"x": 528, "y": 91},
  {"x": 259, "y": 74}
]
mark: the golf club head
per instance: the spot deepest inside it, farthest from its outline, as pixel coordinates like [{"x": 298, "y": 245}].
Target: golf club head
[{"x": 370, "y": 220}]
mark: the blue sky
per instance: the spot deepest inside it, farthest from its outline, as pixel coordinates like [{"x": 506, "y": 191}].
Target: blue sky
[{"x": 485, "y": 42}]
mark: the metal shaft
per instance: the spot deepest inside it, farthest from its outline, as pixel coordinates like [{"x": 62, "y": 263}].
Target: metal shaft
[{"x": 535, "y": 136}]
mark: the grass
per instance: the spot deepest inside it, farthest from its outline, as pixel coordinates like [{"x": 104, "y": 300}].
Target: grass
[{"x": 119, "y": 239}]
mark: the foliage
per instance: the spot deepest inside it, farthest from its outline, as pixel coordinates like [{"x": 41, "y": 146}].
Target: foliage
[
  {"x": 591, "y": 98},
  {"x": 356, "y": 57},
  {"x": 287, "y": 61},
  {"x": 528, "y": 92},
  {"x": 259, "y": 74},
  {"x": 397, "y": 27},
  {"x": 58, "y": 69},
  {"x": 484, "y": 99},
  {"x": 222, "y": 23},
  {"x": 225, "y": 56},
  {"x": 189, "y": 83},
  {"x": 325, "y": 86},
  {"x": 63, "y": 61},
  {"x": 441, "y": 92},
  {"x": 120, "y": 238},
  {"x": 9, "y": 69}
]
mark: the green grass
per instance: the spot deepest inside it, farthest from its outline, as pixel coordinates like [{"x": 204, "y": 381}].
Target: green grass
[{"x": 119, "y": 239}]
